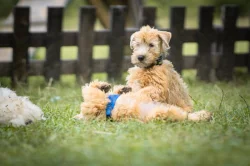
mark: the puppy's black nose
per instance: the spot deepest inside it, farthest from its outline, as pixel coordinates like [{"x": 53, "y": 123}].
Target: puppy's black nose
[
  {"x": 28, "y": 122},
  {"x": 141, "y": 57}
]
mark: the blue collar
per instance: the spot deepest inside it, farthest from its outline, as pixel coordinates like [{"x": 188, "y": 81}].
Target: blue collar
[{"x": 111, "y": 104}]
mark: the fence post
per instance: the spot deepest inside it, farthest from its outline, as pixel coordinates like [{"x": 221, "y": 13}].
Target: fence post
[
  {"x": 205, "y": 39},
  {"x": 85, "y": 43},
  {"x": 20, "y": 45},
  {"x": 227, "y": 60},
  {"x": 177, "y": 16},
  {"x": 148, "y": 16},
  {"x": 248, "y": 63},
  {"x": 116, "y": 42},
  {"x": 52, "y": 64}
]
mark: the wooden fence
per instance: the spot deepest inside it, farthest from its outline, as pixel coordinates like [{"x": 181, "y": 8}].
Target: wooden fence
[{"x": 206, "y": 36}]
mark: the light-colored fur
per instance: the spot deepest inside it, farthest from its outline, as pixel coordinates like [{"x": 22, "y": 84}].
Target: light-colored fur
[
  {"x": 157, "y": 89},
  {"x": 16, "y": 110}
]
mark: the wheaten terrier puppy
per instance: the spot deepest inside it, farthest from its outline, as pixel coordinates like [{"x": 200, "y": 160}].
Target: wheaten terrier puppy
[
  {"x": 154, "y": 89},
  {"x": 17, "y": 110}
]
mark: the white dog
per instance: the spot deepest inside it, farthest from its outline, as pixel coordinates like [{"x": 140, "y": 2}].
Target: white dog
[{"x": 17, "y": 110}]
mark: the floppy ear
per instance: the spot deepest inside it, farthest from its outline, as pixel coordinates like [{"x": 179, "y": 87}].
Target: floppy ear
[
  {"x": 131, "y": 40},
  {"x": 165, "y": 37}
]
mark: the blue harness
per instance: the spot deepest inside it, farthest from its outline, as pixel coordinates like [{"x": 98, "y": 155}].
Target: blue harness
[{"x": 111, "y": 104}]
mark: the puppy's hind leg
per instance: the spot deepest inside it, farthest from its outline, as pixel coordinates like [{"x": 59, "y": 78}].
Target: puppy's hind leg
[
  {"x": 103, "y": 86},
  {"x": 166, "y": 111},
  {"x": 163, "y": 112}
]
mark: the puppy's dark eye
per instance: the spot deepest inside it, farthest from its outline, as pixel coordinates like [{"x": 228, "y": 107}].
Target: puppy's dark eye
[{"x": 151, "y": 45}]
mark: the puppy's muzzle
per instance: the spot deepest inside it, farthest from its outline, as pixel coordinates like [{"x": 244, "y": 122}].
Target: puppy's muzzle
[{"x": 141, "y": 58}]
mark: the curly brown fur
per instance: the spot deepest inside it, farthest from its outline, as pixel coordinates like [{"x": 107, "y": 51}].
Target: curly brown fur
[
  {"x": 162, "y": 82},
  {"x": 131, "y": 105},
  {"x": 158, "y": 91}
]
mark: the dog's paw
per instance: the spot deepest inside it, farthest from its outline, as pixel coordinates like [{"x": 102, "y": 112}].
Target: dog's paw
[
  {"x": 200, "y": 116},
  {"x": 125, "y": 89},
  {"x": 121, "y": 89},
  {"x": 17, "y": 122},
  {"x": 79, "y": 117},
  {"x": 103, "y": 86}
]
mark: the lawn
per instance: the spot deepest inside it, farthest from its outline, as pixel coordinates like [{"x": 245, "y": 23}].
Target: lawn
[{"x": 61, "y": 140}]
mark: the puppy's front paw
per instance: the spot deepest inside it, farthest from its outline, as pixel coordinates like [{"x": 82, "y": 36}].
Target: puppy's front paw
[
  {"x": 120, "y": 89},
  {"x": 125, "y": 89},
  {"x": 103, "y": 86}
]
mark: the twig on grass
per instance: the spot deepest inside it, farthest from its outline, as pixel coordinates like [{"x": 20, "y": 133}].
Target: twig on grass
[
  {"x": 195, "y": 101},
  {"x": 222, "y": 98},
  {"x": 245, "y": 102},
  {"x": 50, "y": 82}
]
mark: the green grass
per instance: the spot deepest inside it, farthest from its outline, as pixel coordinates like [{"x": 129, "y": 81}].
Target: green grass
[{"x": 60, "y": 140}]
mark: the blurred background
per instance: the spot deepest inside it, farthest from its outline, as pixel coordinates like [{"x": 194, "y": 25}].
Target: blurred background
[{"x": 71, "y": 12}]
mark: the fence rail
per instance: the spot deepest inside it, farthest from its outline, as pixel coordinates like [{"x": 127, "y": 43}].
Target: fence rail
[{"x": 215, "y": 44}]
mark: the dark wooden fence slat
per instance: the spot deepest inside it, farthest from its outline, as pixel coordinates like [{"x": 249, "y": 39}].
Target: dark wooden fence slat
[
  {"x": 69, "y": 38},
  {"x": 5, "y": 68},
  {"x": 20, "y": 62},
  {"x": 148, "y": 16},
  {"x": 204, "y": 61},
  {"x": 224, "y": 58},
  {"x": 177, "y": 15},
  {"x": 101, "y": 37},
  {"x": 37, "y": 39},
  {"x": 248, "y": 59},
  {"x": 242, "y": 34},
  {"x": 6, "y": 39},
  {"x": 116, "y": 42},
  {"x": 227, "y": 60},
  {"x": 85, "y": 43},
  {"x": 68, "y": 66},
  {"x": 53, "y": 43}
]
